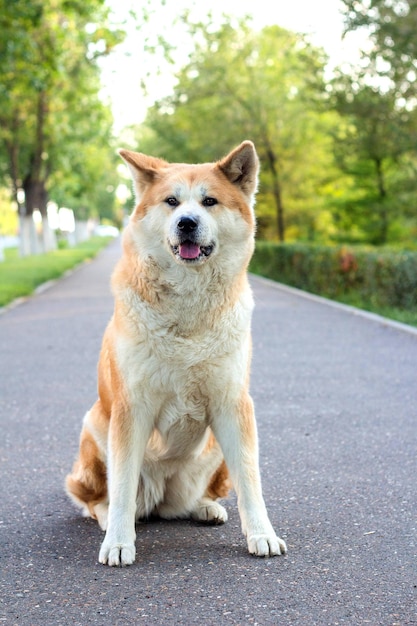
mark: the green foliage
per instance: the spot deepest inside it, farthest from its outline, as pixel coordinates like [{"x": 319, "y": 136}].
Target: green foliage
[
  {"x": 372, "y": 279},
  {"x": 339, "y": 161},
  {"x": 375, "y": 146},
  {"x": 20, "y": 276},
  {"x": 8, "y": 216},
  {"x": 392, "y": 26},
  {"x": 266, "y": 86},
  {"x": 55, "y": 133}
]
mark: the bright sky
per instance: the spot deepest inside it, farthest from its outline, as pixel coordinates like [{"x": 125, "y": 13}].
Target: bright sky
[{"x": 124, "y": 68}]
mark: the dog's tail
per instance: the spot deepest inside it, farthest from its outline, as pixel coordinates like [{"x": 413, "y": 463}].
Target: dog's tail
[
  {"x": 87, "y": 484},
  {"x": 220, "y": 483}
]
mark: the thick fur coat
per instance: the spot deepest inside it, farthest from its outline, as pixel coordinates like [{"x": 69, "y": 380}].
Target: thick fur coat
[{"x": 174, "y": 415}]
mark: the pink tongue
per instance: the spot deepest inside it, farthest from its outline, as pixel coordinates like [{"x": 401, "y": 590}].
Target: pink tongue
[{"x": 189, "y": 250}]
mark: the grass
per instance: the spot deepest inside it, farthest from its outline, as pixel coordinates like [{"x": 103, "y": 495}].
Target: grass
[
  {"x": 405, "y": 316},
  {"x": 19, "y": 276}
]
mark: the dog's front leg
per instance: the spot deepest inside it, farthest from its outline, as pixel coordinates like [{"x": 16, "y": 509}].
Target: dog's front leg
[
  {"x": 236, "y": 432},
  {"x": 126, "y": 450}
]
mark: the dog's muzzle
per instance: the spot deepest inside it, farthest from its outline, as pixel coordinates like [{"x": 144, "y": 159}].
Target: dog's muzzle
[{"x": 188, "y": 234}]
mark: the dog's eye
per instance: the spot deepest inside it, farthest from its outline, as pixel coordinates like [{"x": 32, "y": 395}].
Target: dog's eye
[
  {"x": 209, "y": 201},
  {"x": 171, "y": 201}
]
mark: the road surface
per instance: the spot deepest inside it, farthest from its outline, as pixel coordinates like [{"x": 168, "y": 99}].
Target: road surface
[{"x": 336, "y": 400}]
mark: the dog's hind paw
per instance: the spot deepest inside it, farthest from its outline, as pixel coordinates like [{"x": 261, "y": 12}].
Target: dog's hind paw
[
  {"x": 266, "y": 545},
  {"x": 209, "y": 511},
  {"x": 101, "y": 511},
  {"x": 118, "y": 555}
]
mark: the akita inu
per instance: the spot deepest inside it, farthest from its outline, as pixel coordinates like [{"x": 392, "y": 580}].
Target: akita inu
[{"x": 174, "y": 413}]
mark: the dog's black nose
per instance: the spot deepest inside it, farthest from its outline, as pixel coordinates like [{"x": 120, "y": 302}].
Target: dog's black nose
[{"x": 187, "y": 224}]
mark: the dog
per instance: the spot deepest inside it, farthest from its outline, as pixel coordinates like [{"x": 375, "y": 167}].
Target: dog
[{"x": 174, "y": 415}]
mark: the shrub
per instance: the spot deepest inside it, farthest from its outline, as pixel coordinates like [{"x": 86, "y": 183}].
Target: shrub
[{"x": 380, "y": 278}]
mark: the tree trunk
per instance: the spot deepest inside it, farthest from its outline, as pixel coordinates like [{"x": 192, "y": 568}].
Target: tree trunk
[
  {"x": 81, "y": 231},
  {"x": 28, "y": 237},
  {"x": 383, "y": 213},
  {"x": 34, "y": 186},
  {"x": 276, "y": 190},
  {"x": 48, "y": 236},
  {"x": 36, "y": 198},
  {"x": 13, "y": 152}
]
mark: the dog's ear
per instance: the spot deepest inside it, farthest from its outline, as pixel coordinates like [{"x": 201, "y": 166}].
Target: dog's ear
[
  {"x": 143, "y": 169},
  {"x": 241, "y": 167}
]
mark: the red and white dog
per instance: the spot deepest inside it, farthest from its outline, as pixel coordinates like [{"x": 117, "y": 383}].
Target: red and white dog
[{"x": 174, "y": 414}]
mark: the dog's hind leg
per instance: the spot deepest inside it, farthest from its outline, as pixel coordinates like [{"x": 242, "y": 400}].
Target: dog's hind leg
[
  {"x": 207, "y": 509},
  {"x": 101, "y": 512},
  {"x": 192, "y": 489}
]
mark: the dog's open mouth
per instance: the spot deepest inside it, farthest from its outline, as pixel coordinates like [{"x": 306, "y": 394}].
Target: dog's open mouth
[{"x": 190, "y": 251}]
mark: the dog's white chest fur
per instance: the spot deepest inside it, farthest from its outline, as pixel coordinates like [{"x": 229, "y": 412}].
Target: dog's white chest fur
[{"x": 181, "y": 365}]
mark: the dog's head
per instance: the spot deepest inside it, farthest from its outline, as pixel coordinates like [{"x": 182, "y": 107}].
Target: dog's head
[{"x": 194, "y": 212}]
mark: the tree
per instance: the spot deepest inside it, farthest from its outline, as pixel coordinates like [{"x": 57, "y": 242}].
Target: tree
[
  {"x": 267, "y": 86},
  {"x": 378, "y": 103},
  {"x": 392, "y": 27},
  {"x": 49, "y": 87},
  {"x": 374, "y": 146}
]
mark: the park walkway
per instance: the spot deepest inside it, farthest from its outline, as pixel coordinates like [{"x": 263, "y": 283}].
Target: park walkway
[{"x": 336, "y": 400}]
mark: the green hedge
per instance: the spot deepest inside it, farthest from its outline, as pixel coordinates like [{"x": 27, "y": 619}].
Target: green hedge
[{"x": 378, "y": 278}]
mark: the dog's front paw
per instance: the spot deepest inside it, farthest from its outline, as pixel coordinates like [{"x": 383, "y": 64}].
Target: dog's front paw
[
  {"x": 266, "y": 545},
  {"x": 117, "y": 554}
]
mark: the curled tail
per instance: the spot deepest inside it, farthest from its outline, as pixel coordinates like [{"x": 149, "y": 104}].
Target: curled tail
[{"x": 87, "y": 484}]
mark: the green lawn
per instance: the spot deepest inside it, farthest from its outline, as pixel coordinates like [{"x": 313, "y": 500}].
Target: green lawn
[
  {"x": 404, "y": 316},
  {"x": 20, "y": 276}
]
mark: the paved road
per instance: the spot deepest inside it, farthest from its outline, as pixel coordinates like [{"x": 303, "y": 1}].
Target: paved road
[{"x": 336, "y": 398}]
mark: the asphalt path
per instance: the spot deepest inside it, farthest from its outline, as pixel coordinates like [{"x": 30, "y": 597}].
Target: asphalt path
[{"x": 336, "y": 400}]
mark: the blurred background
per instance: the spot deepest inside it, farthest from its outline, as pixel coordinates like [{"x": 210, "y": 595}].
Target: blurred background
[{"x": 326, "y": 90}]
